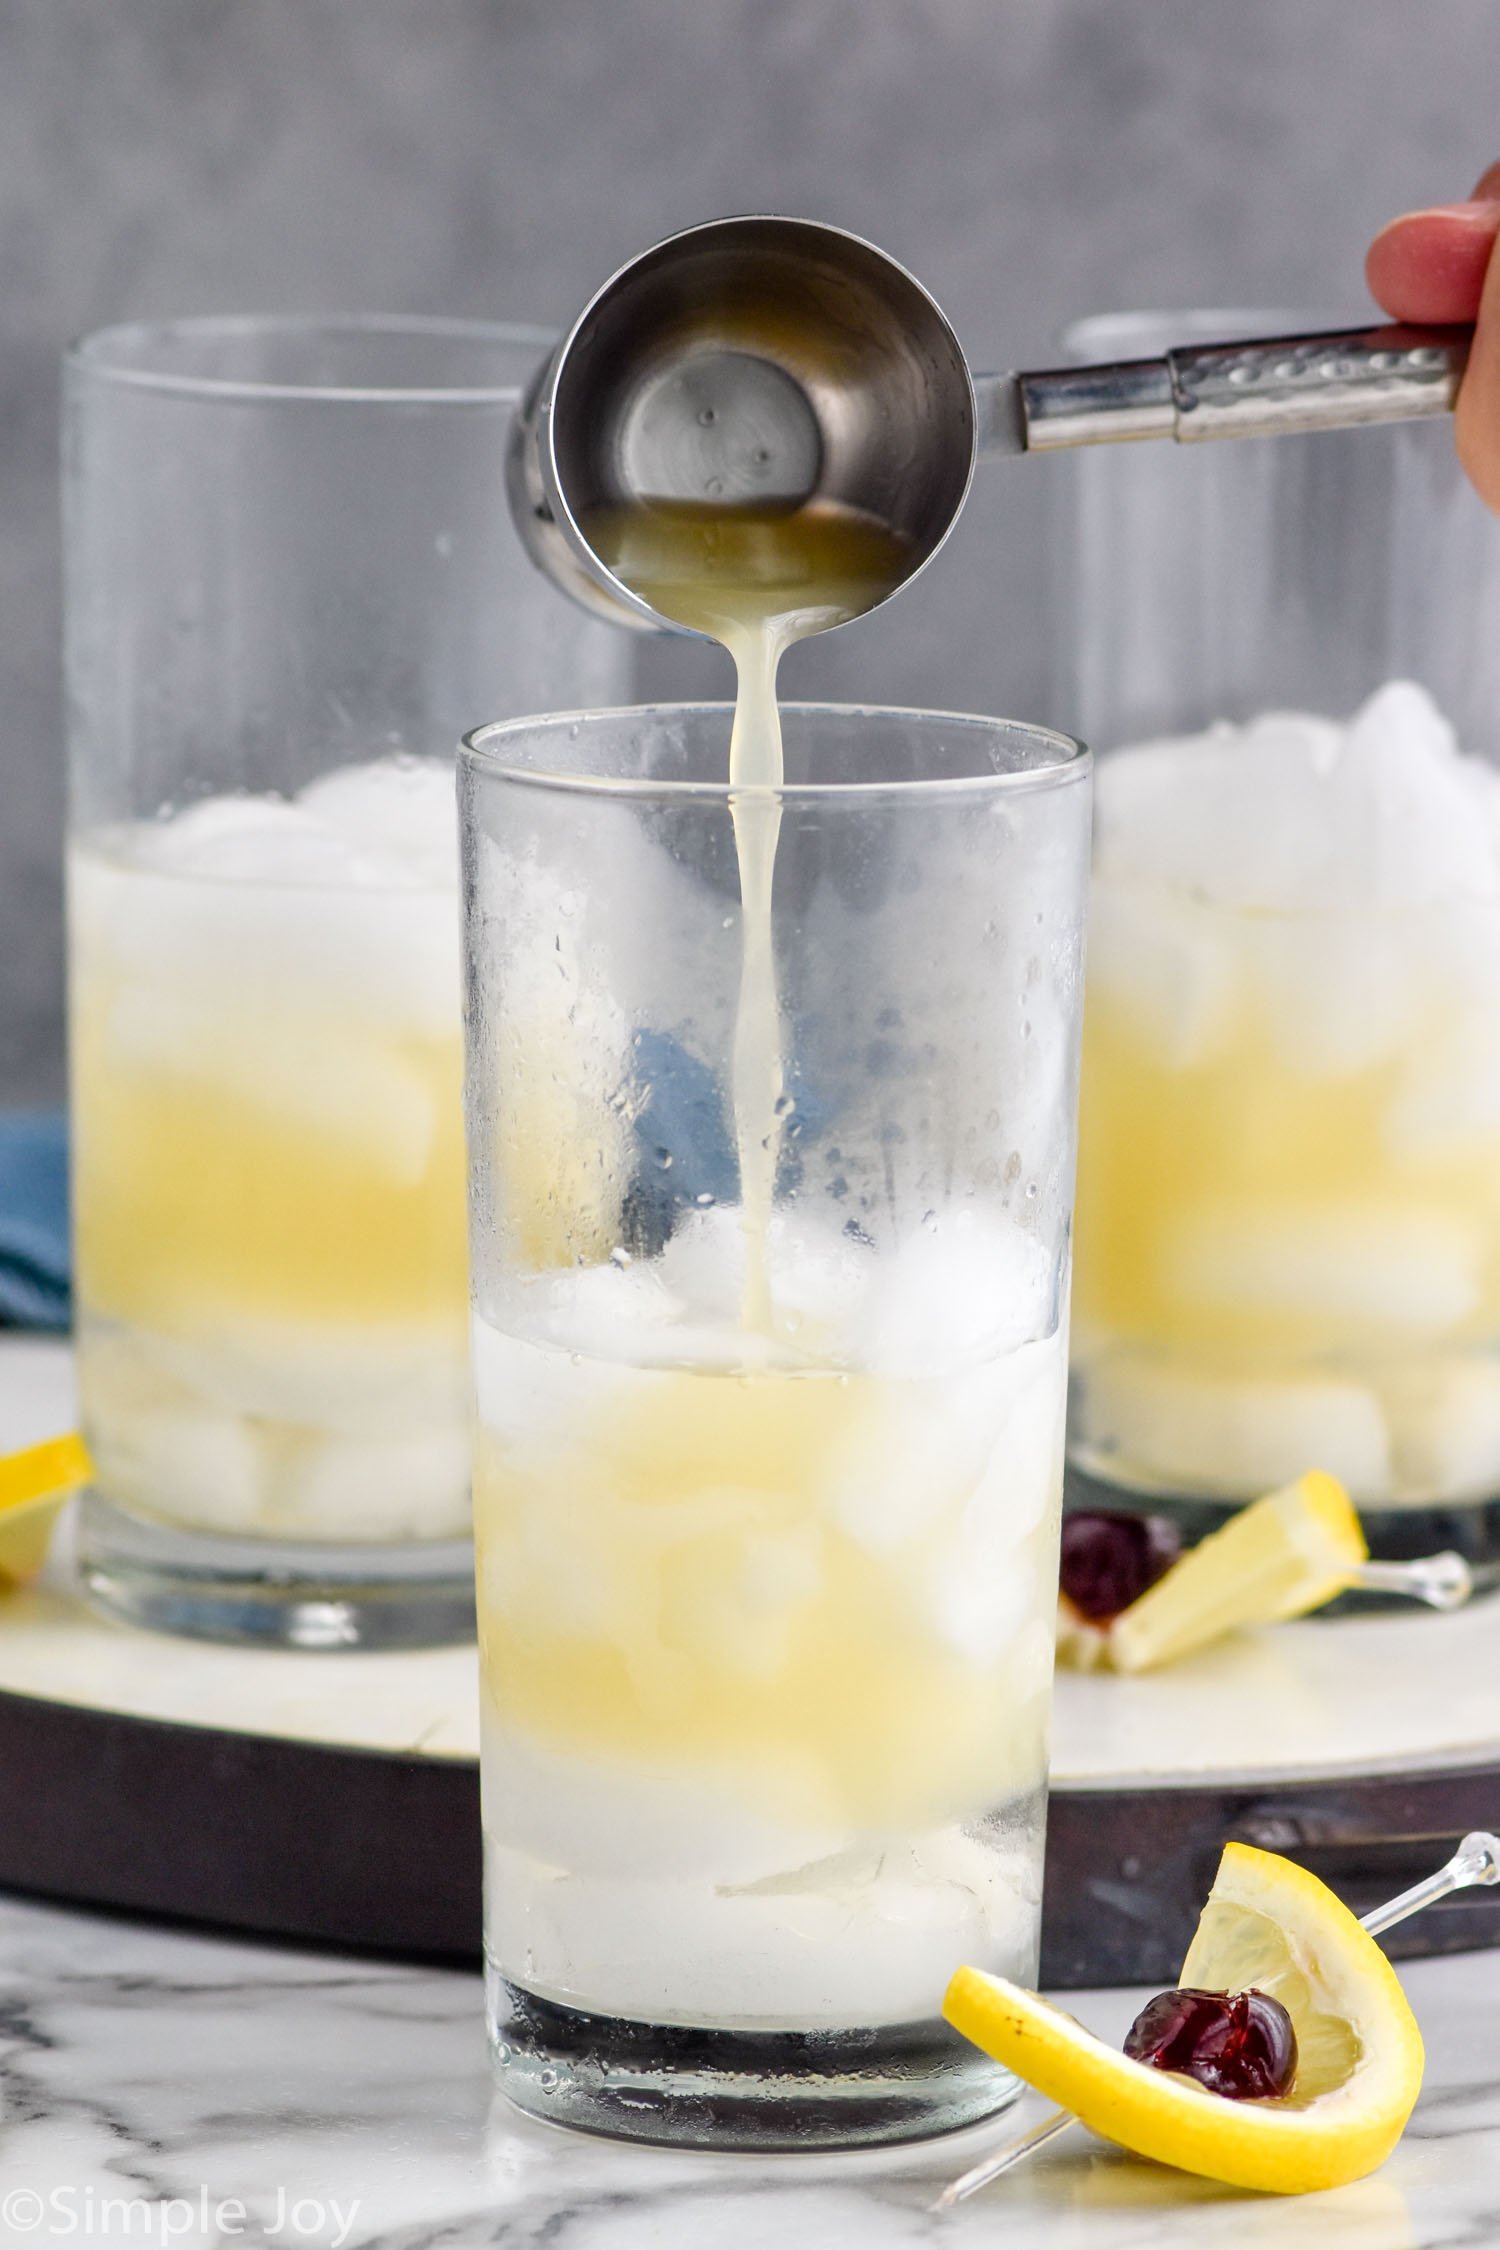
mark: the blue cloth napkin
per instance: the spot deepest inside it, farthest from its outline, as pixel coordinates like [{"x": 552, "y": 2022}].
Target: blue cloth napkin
[{"x": 35, "y": 1262}]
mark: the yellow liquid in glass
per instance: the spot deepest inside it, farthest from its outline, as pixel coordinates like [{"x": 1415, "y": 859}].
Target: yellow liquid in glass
[{"x": 765, "y": 1576}]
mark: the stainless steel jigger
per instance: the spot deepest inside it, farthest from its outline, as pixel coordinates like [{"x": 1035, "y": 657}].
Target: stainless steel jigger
[
  {"x": 755, "y": 363},
  {"x": 777, "y": 364}
]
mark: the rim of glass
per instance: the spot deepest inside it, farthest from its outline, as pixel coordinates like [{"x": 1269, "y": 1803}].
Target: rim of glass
[
  {"x": 1071, "y": 763},
  {"x": 91, "y": 353}
]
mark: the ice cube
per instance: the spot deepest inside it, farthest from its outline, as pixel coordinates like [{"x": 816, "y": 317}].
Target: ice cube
[
  {"x": 1167, "y": 964},
  {"x": 376, "y": 1380},
  {"x": 737, "y": 1590},
  {"x": 819, "y": 1279},
  {"x": 1444, "y": 1418},
  {"x": 1409, "y": 807},
  {"x": 1398, "y": 1270},
  {"x": 327, "y": 949},
  {"x": 249, "y": 840},
  {"x": 980, "y": 1616},
  {"x": 1160, "y": 1423},
  {"x": 1294, "y": 812},
  {"x": 535, "y": 1396},
  {"x": 818, "y": 1274},
  {"x": 1231, "y": 815},
  {"x": 412, "y": 1486},
  {"x": 1338, "y": 993},
  {"x": 912, "y": 1455},
  {"x": 623, "y": 1311},
  {"x": 619, "y": 1821},
  {"x": 984, "y": 1581},
  {"x": 702, "y": 1264},
  {"x": 963, "y": 1287},
  {"x": 399, "y": 812},
  {"x": 863, "y": 1935},
  {"x": 206, "y": 1471},
  {"x": 233, "y": 1433},
  {"x": 1448, "y": 1100}
]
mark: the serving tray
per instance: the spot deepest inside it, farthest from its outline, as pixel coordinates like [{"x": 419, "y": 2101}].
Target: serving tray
[{"x": 336, "y": 1798}]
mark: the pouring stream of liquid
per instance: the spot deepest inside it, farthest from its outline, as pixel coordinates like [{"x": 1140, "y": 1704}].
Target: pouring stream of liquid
[{"x": 754, "y": 580}]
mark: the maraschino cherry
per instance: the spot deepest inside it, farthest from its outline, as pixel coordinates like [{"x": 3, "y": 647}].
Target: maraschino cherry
[
  {"x": 1240, "y": 2044},
  {"x": 1110, "y": 1557}
]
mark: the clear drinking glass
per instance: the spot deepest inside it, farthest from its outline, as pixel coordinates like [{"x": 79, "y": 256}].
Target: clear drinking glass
[
  {"x": 1289, "y": 1167},
  {"x": 291, "y": 581},
  {"x": 766, "y": 1606}
]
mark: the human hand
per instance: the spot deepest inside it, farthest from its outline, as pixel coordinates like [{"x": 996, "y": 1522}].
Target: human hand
[{"x": 1440, "y": 265}]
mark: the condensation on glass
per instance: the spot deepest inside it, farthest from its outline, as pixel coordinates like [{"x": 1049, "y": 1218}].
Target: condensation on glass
[
  {"x": 766, "y": 1599},
  {"x": 292, "y": 582}
]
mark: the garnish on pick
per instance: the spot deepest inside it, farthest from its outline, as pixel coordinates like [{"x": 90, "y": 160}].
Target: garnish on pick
[
  {"x": 1281, "y": 1557},
  {"x": 1271, "y": 1930}
]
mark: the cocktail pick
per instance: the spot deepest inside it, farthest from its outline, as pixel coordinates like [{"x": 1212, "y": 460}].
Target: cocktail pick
[
  {"x": 1442, "y": 1581},
  {"x": 1477, "y": 1860}
]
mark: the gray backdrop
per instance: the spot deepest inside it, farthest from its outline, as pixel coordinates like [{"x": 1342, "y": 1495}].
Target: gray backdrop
[{"x": 1031, "y": 159}]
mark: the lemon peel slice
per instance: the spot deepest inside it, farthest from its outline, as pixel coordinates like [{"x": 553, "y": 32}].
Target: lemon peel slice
[
  {"x": 34, "y": 1483},
  {"x": 1284, "y": 1555},
  {"x": 1268, "y": 1923}
]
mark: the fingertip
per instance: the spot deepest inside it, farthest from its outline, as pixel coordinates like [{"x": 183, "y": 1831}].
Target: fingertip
[{"x": 1430, "y": 265}]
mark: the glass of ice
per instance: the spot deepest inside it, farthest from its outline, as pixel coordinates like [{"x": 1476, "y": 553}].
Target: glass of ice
[
  {"x": 766, "y": 1602},
  {"x": 1289, "y": 1170},
  {"x": 291, "y": 581}
]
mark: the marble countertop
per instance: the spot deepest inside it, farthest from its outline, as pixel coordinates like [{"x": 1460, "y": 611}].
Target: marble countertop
[{"x": 165, "y": 2087}]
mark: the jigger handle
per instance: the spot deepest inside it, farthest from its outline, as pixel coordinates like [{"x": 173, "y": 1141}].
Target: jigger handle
[{"x": 1257, "y": 388}]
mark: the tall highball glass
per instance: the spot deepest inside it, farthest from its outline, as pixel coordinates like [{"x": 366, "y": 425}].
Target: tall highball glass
[
  {"x": 1286, "y": 656},
  {"x": 766, "y": 1600},
  {"x": 292, "y": 580}
]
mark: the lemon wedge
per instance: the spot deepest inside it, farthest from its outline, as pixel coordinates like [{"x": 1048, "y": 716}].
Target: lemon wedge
[
  {"x": 1280, "y": 1557},
  {"x": 33, "y": 1486},
  {"x": 1270, "y": 1925}
]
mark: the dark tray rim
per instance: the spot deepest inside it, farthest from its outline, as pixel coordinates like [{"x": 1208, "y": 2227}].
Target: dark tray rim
[{"x": 378, "y": 1851}]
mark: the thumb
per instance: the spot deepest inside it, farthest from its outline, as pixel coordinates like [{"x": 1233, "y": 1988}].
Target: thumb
[{"x": 1431, "y": 265}]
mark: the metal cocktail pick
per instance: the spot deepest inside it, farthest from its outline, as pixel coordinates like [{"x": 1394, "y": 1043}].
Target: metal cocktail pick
[{"x": 1477, "y": 1860}]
